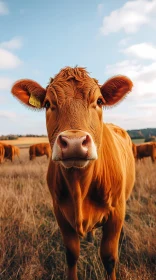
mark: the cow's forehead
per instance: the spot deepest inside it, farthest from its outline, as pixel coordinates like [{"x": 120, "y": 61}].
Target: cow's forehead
[
  {"x": 73, "y": 82},
  {"x": 67, "y": 73}
]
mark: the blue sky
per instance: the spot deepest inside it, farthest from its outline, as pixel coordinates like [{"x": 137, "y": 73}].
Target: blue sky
[{"x": 38, "y": 38}]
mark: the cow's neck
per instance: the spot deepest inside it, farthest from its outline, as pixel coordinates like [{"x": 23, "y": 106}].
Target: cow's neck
[
  {"x": 79, "y": 179},
  {"x": 78, "y": 182}
]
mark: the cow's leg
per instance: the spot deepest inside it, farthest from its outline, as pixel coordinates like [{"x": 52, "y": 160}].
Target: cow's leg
[
  {"x": 153, "y": 158},
  {"x": 90, "y": 236},
  {"x": 72, "y": 245},
  {"x": 72, "y": 254},
  {"x": 109, "y": 244}
]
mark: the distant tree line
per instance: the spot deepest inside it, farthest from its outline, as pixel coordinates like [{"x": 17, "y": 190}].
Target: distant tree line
[
  {"x": 14, "y": 137},
  {"x": 146, "y": 133},
  {"x": 33, "y": 135},
  {"x": 8, "y": 137}
]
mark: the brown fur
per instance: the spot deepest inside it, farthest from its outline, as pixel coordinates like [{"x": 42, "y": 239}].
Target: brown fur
[
  {"x": 93, "y": 196},
  {"x": 38, "y": 150},
  {"x": 16, "y": 151},
  {"x": 10, "y": 151},
  {"x": 134, "y": 148},
  {"x": 2, "y": 152},
  {"x": 147, "y": 150}
]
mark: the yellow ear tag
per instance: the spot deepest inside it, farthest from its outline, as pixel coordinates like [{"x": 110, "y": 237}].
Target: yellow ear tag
[{"x": 34, "y": 101}]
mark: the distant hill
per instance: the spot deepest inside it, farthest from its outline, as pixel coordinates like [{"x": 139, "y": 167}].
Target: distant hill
[
  {"x": 145, "y": 133},
  {"x": 14, "y": 137},
  {"x": 142, "y": 133}
]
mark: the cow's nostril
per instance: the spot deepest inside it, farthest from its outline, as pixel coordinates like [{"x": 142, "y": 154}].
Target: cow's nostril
[
  {"x": 62, "y": 142},
  {"x": 86, "y": 141}
]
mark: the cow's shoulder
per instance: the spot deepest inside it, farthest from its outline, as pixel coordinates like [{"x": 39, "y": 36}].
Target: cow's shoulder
[{"x": 119, "y": 134}]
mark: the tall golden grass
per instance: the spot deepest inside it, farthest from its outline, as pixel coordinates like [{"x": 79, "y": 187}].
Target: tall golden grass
[{"x": 31, "y": 247}]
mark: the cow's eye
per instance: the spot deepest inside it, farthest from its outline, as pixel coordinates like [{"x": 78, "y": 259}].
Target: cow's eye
[
  {"x": 100, "y": 102},
  {"x": 47, "y": 105}
]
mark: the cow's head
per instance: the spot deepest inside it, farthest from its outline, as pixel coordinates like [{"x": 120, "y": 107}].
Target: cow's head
[{"x": 73, "y": 103}]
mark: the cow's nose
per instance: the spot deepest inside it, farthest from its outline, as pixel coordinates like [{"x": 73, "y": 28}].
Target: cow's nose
[{"x": 74, "y": 147}]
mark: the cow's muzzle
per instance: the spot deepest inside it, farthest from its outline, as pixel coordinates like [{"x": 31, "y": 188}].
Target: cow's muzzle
[{"x": 74, "y": 148}]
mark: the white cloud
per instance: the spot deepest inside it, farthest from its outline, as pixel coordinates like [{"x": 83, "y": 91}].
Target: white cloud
[
  {"x": 143, "y": 77},
  {"x": 139, "y": 119},
  {"x": 14, "y": 43},
  {"x": 143, "y": 50},
  {"x": 5, "y": 83},
  {"x": 130, "y": 17},
  {"x": 146, "y": 106},
  {"x": 125, "y": 67},
  {"x": 8, "y": 60},
  {"x": 3, "y": 8},
  {"x": 145, "y": 89}
]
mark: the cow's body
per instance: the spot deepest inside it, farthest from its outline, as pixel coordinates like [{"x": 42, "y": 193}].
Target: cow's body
[
  {"x": 2, "y": 152},
  {"x": 10, "y": 151},
  {"x": 92, "y": 170},
  {"x": 100, "y": 188},
  {"x": 134, "y": 148},
  {"x": 16, "y": 151},
  {"x": 146, "y": 150},
  {"x": 38, "y": 150}
]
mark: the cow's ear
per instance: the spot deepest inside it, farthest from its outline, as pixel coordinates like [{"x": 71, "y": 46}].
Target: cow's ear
[
  {"x": 29, "y": 92},
  {"x": 115, "y": 89}
]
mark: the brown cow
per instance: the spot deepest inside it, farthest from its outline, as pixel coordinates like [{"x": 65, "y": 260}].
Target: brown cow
[
  {"x": 146, "y": 150},
  {"x": 10, "y": 151},
  {"x": 134, "y": 148},
  {"x": 38, "y": 150},
  {"x": 16, "y": 151},
  {"x": 2, "y": 152},
  {"x": 92, "y": 170}
]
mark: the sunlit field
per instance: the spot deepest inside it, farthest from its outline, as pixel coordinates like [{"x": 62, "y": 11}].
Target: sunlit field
[
  {"x": 23, "y": 142},
  {"x": 31, "y": 247},
  {"x": 138, "y": 141}
]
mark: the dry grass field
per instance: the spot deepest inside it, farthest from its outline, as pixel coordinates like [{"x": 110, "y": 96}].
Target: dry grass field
[
  {"x": 138, "y": 141},
  {"x": 24, "y": 142},
  {"x": 31, "y": 247}
]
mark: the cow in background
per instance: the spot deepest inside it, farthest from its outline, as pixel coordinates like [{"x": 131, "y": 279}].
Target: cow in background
[
  {"x": 16, "y": 151},
  {"x": 146, "y": 150},
  {"x": 10, "y": 151},
  {"x": 134, "y": 148},
  {"x": 38, "y": 150},
  {"x": 92, "y": 170},
  {"x": 2, "y": 152}
]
